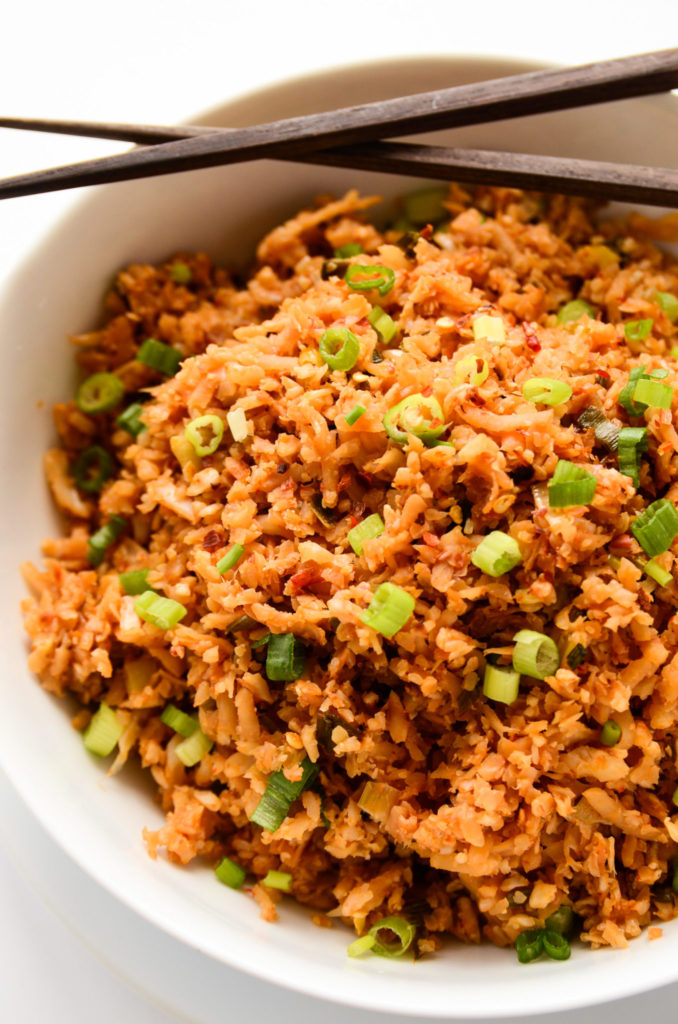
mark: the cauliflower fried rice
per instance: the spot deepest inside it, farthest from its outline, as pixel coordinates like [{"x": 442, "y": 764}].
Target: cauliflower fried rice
[{"x": 430, "y": 799}]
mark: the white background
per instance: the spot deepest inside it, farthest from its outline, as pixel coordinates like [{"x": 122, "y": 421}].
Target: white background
[{"x": 160, "y": 62}]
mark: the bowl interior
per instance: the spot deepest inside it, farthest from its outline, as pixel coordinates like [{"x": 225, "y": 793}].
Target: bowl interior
[{"x": 99, "y": 820}]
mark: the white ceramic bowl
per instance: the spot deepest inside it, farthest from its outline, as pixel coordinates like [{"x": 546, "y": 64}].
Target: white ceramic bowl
[{"x": 98, "y": 820}]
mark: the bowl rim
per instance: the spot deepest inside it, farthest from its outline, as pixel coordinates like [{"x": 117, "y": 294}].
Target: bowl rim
[{"x": 561, "y": 997}]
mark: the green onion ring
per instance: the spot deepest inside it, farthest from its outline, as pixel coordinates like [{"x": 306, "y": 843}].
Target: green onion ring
[
  {"x": 205, "y": 433},
  {"x": 404, "y": 930},
  {"x": 99, "y": 393},
  {"x": 556, "y": 946},
  {"x": 92, "y": 469},
  {"x": 546, "y": 391},
  {"x": 339, "y": 348},
  {"x": 417, "y": 414},
  {"x": 363, "y": 278},
  {"x": 529, "y": 945},
  {"x": 535, "y": 654}
]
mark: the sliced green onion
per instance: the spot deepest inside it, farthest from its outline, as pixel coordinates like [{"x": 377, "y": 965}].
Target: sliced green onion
[
  {"x": 205, "y": 433},
  {"x": 626, "y": 394},
  {"x": 356, "y": 412},
  {"x": 159, "y": 611},
  {"x": 632, "y": 441},
  {"x": 570, "y": 485},
  {"x": 669, "y": 304},
  {"x": 192, "y": 750},
  {"x": 377, "y": 357},
  {"x": 535, "y": 654},
  {"x": 638, "y": 330},
  {"x": 180, "y": 273},
  {"x": 339, "y": 348},
  {"x": 472, "y": 369},
  {"x": 92, "y": 469},
  {"x": 130, "y": 419},
  {"x": 577, "y": 656},
  {"x": 606, "y": 433},
  {"x": 656, "y": 527},
  {"x": 362, "y": 945},
  {"x": 389, "y": 610},
  {"x": 135, "y": 581},
  {"x": 425, "y": 205},
  {"x": 230, "y": 873},
  {"x": 344, "y": 252},
  {"x": 103, "y": 538},
  {"x": 103, "y": 732},
  {"x": 363, "y": 278},
  {"x": 278, "y": 880},
  {"x": 230, "y": 559},
  {"x": 652, "y": 394},
  {"x": 383, "y": 324},
  {"x": 279, "y": 796},
  {"x": 656, "y": 572},
  {"x": 556, "y": 946},
  {"x": 285, "y": 658},
  {"x": 178, "y": 720},
  {"x": 546, "y": 390},
  {"x": 610, "y": 734},
  {"x": 575, "y": 310},
  {"x": 404, "y": 930},
  {"x": 496, "y": 554},
  {"x": 561, "y": 921},
  {"x": 371, "y": 527},
  {"x": 417, "y": 414},
  {"x": 99, "y": 393},
  {"x": 674, "y": 797},
  {"x": 159, "y": 356},
  {"x": 501, "y": 684},
  {"x": 530, "y": 945}
]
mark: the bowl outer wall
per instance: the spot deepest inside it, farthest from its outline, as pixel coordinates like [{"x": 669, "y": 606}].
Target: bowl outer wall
[{"x": 99, "y": 820}]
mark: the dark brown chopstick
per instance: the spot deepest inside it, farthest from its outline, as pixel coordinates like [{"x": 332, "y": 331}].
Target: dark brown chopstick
[
  {"x": 479, "y": 102},
  {"x": 654, "y": 186},
  {"x": 628, "y": 182}
]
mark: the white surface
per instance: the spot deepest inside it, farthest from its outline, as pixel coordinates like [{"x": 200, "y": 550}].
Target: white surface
[{"x": 158, "y": 62}]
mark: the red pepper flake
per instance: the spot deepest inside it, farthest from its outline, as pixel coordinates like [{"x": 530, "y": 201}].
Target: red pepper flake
[
  {"x": 212, "y": 540},
  {"x": 427, "y": 232},
  {"x": 427, "y": 391},
  {"x": 665, "y": 447},
  {"x": 603, "y": 373},
  {"x": 431, "y": 539},
  {"x": 531, "y": 338},
  {"x": 624, "y": 542},
  {"x": 353, "y": 520}
]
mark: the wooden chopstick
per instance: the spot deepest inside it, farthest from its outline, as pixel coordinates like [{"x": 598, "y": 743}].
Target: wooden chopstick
[
  {"x": 628, "y": 182},
  {"x": 653, "y": 186},
  {"x": 479, "y": 102}
]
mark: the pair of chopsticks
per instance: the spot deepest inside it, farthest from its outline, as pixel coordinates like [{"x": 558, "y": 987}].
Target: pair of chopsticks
[{"x": 353, "y": 137}]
